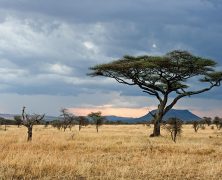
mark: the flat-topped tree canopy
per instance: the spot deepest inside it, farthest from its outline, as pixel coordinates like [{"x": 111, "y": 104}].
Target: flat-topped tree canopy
[{"x": 162, "y": 75}]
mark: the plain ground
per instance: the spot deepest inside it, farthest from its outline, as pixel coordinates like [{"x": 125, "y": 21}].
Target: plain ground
[{"x": 116, "y": 152}]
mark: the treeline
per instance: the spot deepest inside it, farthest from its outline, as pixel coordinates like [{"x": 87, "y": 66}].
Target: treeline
[{"x": 84, "y": 120}]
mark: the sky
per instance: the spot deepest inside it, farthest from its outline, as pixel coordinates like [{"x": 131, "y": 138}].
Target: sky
[{"x": 47, "y": 46}]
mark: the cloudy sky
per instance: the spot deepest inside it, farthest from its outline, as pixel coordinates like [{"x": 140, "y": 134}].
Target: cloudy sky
[{"x": 47, "y": 46}]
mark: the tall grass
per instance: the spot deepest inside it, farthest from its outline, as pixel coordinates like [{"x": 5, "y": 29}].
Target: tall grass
[{"x": 116, "y": 152}]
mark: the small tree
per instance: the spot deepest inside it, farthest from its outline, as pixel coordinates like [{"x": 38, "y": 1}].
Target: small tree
[
  {"x": 67, "y": 119},
  {"x": 82, "y": 121},
  {"x": 29, "y": 121},
  {"x": 207, "y": 120},
  {"x": 218, "y": 122},
  {"x": 163, "y": 77},
  {"x": 3, "y": 122},
  {"x": 97, "y": 119},
  {"x": 174, "y": 126},
  {"x": 57, "y": 124},
  {"x": 196, "y": 125},
  {"x": 18, "y": 120},
  {"x": 46, "y": 124}
]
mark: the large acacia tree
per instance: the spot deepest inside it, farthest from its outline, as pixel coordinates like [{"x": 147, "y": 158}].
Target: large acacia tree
[{"x": 163, "y": 77}]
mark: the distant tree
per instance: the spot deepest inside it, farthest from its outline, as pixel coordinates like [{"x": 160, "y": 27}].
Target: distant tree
[
  {"x": 3, "y": 122},
  {"x": 97, "y": 119},
  {"x": 68, "y": 119},
  {"x": 207, "y": 120},
  {"x": 196, "y": 125},
  {"x": 163, "y": 77},
  {"x": 57, "y": 124},
  {"x": 202, "y": 123},
  {"x": 119, "y": 122},
  {"x": 218, "y": 122},
  {"x": 46, "y": 124},
  {"x": 174, "y": 126},
  {"x": 18, "y": 120},
  {"x": 29, "y": 121},
  {"x": 82, "y": 121}
]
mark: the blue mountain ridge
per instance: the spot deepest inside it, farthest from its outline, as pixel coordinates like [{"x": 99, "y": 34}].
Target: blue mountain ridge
[{"x": 184, "y": 115}]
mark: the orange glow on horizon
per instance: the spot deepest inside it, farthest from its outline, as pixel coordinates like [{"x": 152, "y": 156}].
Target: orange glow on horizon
[
  {"x": 134, "y": 112},
  {"x": 122, "y": 112}
]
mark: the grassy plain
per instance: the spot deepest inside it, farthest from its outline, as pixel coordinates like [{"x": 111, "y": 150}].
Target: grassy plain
[{"x": 116, "y": 152}]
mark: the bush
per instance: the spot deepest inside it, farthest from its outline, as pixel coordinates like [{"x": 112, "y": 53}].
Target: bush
[{"x": 174, "y": 126}]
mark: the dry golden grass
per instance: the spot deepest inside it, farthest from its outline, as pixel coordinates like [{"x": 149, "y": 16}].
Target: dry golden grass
[{"x": 116, "y": 152}]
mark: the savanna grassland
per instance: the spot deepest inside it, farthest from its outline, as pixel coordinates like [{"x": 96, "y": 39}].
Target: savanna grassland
[{"x": 116, "y": 152}]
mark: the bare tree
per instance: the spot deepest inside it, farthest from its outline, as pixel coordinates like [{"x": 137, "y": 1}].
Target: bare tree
[
  {"x": 97, "y": 119},
  {"x": 68, "y": 119},
  {"x": 174, "y": 126},
  {"x": 29, "y": 121}
]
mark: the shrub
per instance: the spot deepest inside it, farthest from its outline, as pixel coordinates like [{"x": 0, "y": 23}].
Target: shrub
[{"x": 174, "y": 126}]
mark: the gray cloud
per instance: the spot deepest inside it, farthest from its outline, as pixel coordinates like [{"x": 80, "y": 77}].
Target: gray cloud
[{"x": 46, "y": 47}]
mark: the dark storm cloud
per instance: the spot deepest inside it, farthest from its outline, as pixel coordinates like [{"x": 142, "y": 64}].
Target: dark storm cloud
[{"x": 47, "y": 46}]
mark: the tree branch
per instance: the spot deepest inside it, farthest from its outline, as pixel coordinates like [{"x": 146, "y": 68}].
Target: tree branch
[{"x": 190, "y": 93}]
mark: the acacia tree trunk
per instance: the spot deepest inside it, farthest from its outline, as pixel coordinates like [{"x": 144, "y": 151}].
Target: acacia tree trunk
[
  {"x": 156, "y": 129},
  {"x": 157, "y": 121},
  {"x": 29, "y": 133}
]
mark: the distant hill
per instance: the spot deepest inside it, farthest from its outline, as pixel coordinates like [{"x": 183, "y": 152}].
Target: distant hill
[{"x": 184, "y": 115}]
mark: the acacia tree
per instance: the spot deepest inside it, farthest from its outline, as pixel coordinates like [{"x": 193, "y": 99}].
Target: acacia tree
[
  {"x": 97, "y": 119},
  {"x": 29, "y": 121},
  {"x": 163, "y": 77}
]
